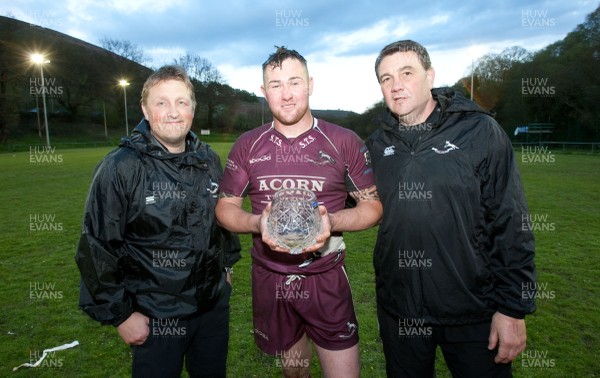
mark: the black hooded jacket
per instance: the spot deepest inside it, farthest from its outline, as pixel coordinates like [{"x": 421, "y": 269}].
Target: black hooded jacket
[
  {"x": 454, "y": 245},
  {"x": 150, "y": 241}
]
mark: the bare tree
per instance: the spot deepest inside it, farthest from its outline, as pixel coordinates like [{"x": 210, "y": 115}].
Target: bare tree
[
  {"x": 125, "y": 49},
  {"x": 491, "y": 72},
  {"x": 494, "y": 67},
  {"x": 199, "y": 68},
  {"x": 211, "y": 91}
]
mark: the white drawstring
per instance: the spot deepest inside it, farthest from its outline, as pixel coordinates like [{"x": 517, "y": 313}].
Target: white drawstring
[{"x": 294, "y": 277}]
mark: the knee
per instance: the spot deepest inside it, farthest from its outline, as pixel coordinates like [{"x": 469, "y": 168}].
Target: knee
[
  {"x": 295, "y": 368},
  {"x": 296, "y": 372}
]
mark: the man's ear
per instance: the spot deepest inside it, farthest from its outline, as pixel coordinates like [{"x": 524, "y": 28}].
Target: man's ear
[
  {"x": 145, "y": 112},
  {"x": 430, "y": 77}
]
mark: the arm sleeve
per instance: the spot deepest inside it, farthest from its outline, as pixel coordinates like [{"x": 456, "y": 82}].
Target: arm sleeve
[
  {"x": 359, "y": 173},
  {"x": 511, "y": 244},
  {"x": 99, "y": 255},
  {"x": 230, "y": 242},
  {"x": 230, "y": 245},
  {"x": 235, "y": 178}
]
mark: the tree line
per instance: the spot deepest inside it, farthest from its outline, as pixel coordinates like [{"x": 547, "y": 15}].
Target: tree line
[{"x": 558, "y": 86}]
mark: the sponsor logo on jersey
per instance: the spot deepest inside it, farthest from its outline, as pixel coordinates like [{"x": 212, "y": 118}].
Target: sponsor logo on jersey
[
  {"x": 275, "y": 140},
  {"x": 447, "y": 148},
  {"x": 366, "y": 155},
  {"x": 324, "y": 158},
  {"x": 306, "y": 141},
  {"x": 277, "y": 182},
  {"x": 260, "y": 159},
  {"x": 231, "y": 165}
]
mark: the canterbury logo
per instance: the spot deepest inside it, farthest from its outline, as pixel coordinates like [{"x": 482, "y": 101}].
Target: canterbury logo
[{"x": 447, "y": 148}]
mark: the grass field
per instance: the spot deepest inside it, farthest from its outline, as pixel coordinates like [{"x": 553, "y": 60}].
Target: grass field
[{"x": 41, "y": 208}]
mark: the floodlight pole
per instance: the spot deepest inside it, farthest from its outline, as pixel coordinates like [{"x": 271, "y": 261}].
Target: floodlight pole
[
  {"x": 124, "y": 84},
  {"x": 472, "y": 72},
  {"x": 44, "y": 102},
  {"x": 40, "y": 59}
]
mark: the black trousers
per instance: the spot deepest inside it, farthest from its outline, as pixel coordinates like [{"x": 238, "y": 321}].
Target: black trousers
[
  {"x": 201, "y": 341},
  {"x": 410, "y": 347}
]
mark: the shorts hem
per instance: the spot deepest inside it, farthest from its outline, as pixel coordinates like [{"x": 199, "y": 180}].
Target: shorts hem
[{"x": 334, "y": 348}]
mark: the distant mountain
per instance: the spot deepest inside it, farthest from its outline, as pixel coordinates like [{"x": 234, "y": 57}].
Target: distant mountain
[{"x": 335, "y": 114}]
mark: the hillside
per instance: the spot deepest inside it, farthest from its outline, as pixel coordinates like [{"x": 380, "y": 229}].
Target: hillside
[
  {"x": 83, "y": 95},
  {"x": 81, "y": 83}
]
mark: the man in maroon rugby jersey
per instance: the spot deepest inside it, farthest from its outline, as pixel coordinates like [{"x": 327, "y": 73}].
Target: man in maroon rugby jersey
[{"x": 297, "y": 298}]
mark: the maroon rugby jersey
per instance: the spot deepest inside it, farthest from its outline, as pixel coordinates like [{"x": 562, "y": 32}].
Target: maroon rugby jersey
[{"x": 327, "y": 159}]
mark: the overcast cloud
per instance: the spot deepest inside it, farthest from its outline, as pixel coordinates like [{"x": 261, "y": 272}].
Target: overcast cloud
[{"x": 340, "y": 39}]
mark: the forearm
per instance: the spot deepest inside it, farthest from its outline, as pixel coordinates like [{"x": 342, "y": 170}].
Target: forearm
[
  {"x": 365, "y": 215},
  {"x": 235, "y": 219}
]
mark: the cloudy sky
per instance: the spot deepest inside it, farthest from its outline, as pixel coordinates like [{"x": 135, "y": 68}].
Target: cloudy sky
[{"x": 339, "y": 38}]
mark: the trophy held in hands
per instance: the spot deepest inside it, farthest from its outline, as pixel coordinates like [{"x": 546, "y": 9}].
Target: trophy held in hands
[{"x": 294, "y": 221}]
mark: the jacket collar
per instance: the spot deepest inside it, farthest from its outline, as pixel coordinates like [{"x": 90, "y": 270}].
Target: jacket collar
[
  {"x": 448, "y": 102},
  {"x": 142, "y": 140}
]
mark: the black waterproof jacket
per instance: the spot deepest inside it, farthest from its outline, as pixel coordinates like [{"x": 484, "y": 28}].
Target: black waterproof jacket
[
  {"x": 454, "y": 245},
  {"x": 150, "y": 241}
]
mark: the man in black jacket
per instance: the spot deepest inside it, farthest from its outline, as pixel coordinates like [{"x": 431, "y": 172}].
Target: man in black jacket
[
  {"x": 454, "y": 254},
  {"x": 152, "y": 258}
]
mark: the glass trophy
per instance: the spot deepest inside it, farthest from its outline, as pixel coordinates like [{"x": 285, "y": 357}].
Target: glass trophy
[{"x": 294, "y": 221}]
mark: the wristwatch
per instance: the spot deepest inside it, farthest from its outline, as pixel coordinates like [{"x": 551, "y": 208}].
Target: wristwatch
[{"x": 228, "y": 270}]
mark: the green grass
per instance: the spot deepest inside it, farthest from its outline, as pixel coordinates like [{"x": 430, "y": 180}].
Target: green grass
[{"x": 564, "y": 329}]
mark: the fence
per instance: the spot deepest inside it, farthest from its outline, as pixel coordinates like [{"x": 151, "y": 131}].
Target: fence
[
  {"x": 62, "y": 145},
  {"x": 592, "y": 147}
]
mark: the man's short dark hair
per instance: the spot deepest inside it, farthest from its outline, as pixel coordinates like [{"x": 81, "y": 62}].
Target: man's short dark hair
[
  {"x": 404, "y": 46},
  {"x": 282, "y": 53}
]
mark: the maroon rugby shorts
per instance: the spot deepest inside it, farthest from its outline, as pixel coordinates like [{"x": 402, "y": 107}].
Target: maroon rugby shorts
[{"x": 287, "y": 306}]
